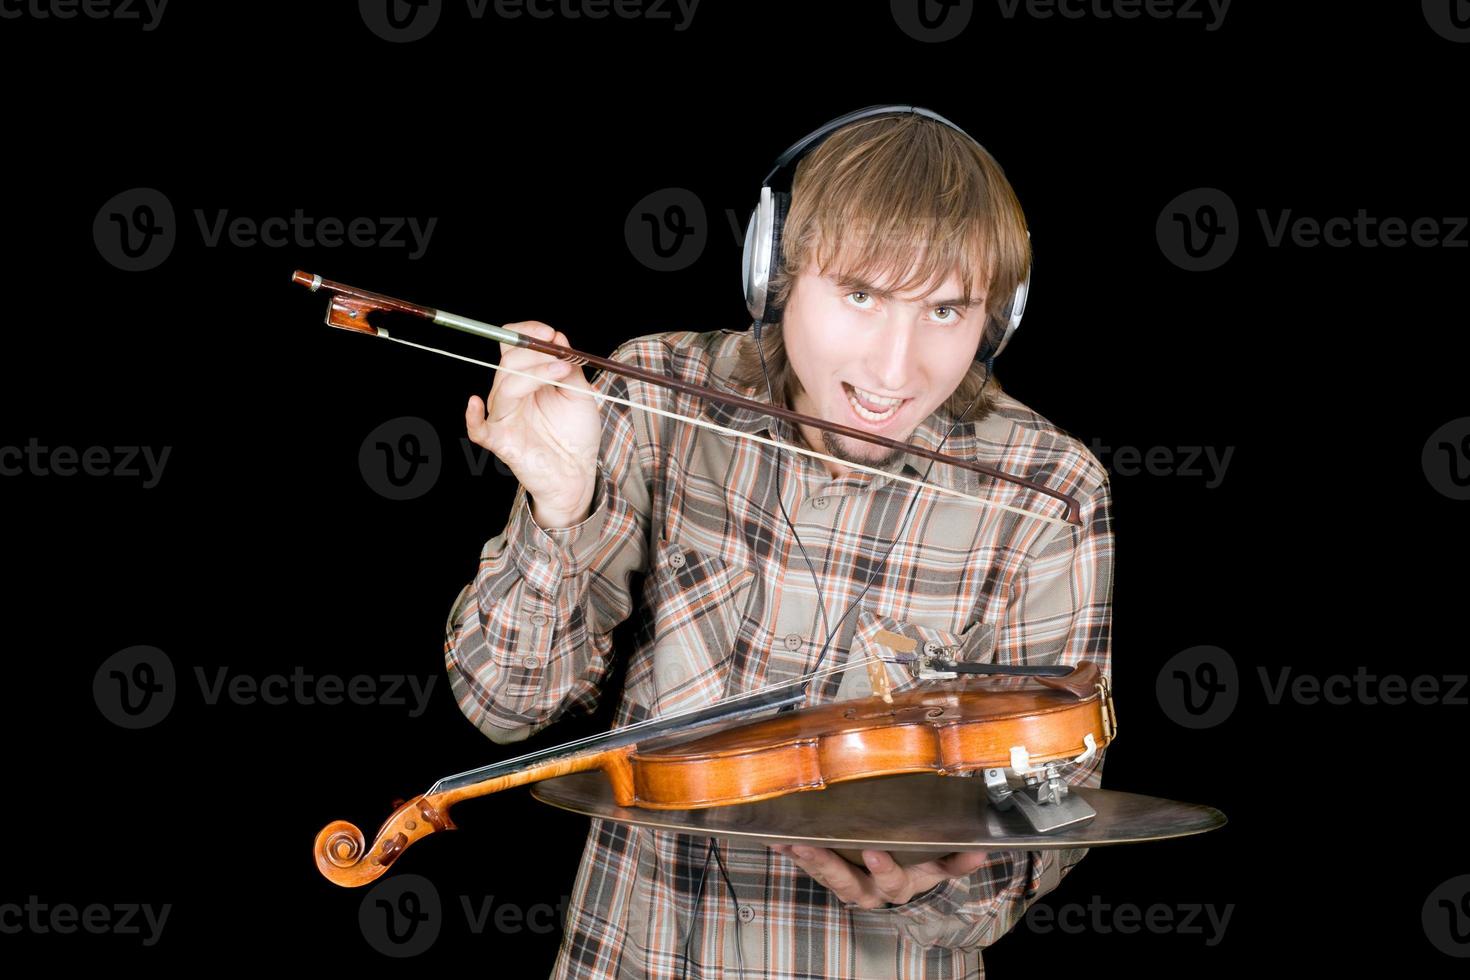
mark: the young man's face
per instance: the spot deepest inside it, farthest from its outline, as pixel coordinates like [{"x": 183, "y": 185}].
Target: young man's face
[{"x": 874, "y": 361}]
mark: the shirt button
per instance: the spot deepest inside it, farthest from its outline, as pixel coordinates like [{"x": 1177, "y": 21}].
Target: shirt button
[
  {"x": 677, "y": 559},
  {"x": 746, "y": 913},
  {"x": 820, "y": 503},
  {"x": 531, "y": 662},
  {"x": 538, "y": 555},
  {"x": 539, "y": 619},
  {"x": 793, "y": 641}
]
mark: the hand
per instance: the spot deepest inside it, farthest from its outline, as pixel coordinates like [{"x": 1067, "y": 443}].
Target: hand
[
  {"x": 548, "y": 437},
  {"x": 885, "y": 881}
]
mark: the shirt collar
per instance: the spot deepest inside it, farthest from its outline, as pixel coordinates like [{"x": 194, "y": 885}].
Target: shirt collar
[{"x": 930, "y": 434}]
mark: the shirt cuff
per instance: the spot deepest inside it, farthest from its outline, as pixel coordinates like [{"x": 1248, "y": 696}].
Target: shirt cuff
[
  {"x": 544, "y": 557},
  {"x": 933, "y": 918},
  {"x": 939, "y": 900}
]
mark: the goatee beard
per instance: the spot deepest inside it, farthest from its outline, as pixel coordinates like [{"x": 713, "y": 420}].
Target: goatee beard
[{"x": 835, "y": 447}]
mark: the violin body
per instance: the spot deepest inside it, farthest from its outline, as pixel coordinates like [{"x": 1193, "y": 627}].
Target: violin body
[
  {"x": 945, "y": 729},
  {"x": 950, "y": 728}
]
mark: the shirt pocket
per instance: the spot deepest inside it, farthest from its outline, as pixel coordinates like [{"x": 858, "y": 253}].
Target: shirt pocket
[
  {"x": 899, "y": 644},
  {"x": 698, "y": 604}
]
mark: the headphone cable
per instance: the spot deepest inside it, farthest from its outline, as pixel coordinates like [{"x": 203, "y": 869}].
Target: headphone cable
[{"x": 714, "y": 847}]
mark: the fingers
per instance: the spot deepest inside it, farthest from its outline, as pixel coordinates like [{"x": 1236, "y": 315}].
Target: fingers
[
  {"x": 962, "y": 862},
  {"x": 886, "y": 880},
  {"x": 891, "y": 880},
  {"x": 474, "y": 420},
  {"x": 507, "y": 389},
  {"x": 529, "y": 328},
  {"x": 574, "y": 375},
  {"x": 840, "y": 877}
]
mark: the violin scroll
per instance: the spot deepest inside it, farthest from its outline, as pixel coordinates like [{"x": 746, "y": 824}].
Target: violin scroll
[{"x": 341, "y": 851}]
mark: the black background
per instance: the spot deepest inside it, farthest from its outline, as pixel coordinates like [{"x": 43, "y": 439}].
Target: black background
[{"x": 264, "y": 548}]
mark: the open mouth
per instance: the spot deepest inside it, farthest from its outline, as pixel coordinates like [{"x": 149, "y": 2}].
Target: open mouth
[{"x": 870, "y": 406}]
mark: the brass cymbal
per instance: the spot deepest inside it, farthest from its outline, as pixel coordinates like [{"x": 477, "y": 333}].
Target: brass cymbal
[{"x": 919, "y": 816}]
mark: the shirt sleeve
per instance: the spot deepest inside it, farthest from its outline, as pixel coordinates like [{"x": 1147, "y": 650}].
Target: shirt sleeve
[
  {"x": 1060, "y": 613},
  {"x": 531, "y": 634}
]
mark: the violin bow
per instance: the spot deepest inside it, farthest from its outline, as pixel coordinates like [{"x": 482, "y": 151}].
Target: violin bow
[{"x": 349, "y": 307}]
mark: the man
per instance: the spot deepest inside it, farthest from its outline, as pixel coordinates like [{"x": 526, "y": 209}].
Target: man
[{"x": 902, "y": 241}]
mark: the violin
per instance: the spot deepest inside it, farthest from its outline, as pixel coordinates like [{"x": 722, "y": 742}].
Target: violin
[{"x": 718, "y": 756}]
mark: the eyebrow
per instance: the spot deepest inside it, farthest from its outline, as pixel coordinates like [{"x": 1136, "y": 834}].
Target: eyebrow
[{"x": 849, "y": 284}]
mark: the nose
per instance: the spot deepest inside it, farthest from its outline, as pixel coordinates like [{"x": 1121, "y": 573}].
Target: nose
[{"x": 890, "y": 358}]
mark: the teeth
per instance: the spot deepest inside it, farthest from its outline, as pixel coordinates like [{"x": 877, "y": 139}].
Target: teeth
[
  {"x": 875, "y": 399},
  {"x": 890, "y": 405}
]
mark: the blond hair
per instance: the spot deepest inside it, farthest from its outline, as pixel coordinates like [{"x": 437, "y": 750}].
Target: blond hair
[{"x": 899, "y": 195}]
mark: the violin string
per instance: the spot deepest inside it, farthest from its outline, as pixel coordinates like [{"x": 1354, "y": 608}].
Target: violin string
[
  {"x": 733, "y": 433},
  {"x": 639, "y": 725}
]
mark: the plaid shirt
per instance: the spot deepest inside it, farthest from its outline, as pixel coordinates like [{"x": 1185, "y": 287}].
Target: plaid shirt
[{"x": 730, "y": 606}]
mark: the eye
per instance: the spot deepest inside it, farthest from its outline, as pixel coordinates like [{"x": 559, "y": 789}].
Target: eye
[
  {"x": 860, "y": 293},
  {"x": 954, "y": 314}
]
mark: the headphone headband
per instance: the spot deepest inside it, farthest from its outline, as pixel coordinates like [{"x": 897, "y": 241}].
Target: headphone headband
[{"x": 799, "y": 148}]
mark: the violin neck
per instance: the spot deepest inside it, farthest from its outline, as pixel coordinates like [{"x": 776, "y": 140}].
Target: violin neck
[{"x": 603, "y": 751}]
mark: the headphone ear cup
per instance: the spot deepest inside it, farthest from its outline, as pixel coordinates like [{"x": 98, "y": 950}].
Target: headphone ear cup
[
  {"x": 780, "y": 201},
  {"x": 763, "y": 252},
  {"x": 1003, "y": 325},
  {"x": 755, "y": 298}
]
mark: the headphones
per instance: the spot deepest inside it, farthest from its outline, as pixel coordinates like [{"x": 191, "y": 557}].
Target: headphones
[{"x": 763, "y": 233}]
